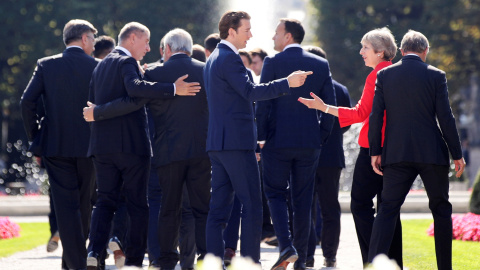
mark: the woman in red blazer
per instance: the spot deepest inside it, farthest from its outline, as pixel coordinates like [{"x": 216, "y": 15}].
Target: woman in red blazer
[{"x": 378, "y": 49}]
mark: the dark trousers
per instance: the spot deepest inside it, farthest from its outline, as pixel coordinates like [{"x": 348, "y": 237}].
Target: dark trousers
[
  {"x": 290, "y": 171},
  {"x": 267, "y": 226},
  {"x": 71, "y": 184},
  {"x": 366, "y": 185},
  {"x": 326, "y": 187},
  {"x": 154, "y": 202},
  {"x": 186, "y": 240},
  {"x": 195, "y": 174},
  {"x": 397, "y": 180},
  {"x": 230, "y": 234},
  {"x": 235, "y": 173},
  {"x": 114, "y": 171},
  {"x": 52, "y": 219}
]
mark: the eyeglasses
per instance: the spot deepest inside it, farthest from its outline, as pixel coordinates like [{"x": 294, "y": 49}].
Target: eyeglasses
[{"x": 91, "y": 37}]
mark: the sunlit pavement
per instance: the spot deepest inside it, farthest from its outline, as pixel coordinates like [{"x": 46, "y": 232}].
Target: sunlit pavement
[{"x": 348, "y": 256}]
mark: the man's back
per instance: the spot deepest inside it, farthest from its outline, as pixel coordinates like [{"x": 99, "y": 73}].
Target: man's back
[
  {"x": 64, "y": 78},
  {"x": 415, "y": 96},
  {"x": 124, "y": 134},
  {"x": 181, "y": 123},
  {"x": 284, "y": 122}
]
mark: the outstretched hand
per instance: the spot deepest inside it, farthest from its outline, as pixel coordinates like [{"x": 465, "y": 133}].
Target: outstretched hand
[
  {"x": 183, "y": 88},
  {"x": 315, "y": 103},
  {"x": 459, "y": 166},
  {"x": 88, "y": 112},
  {"x": 297, "y": 78},
  {"x": 377, "y": 164}
]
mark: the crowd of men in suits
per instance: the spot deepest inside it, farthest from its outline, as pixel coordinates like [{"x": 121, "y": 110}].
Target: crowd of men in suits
[{"x": 202, "y": 126}]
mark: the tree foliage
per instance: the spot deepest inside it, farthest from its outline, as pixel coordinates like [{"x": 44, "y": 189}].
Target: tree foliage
[
  {"x": 32, "y": 29},
  {"x": 452, "y": 27}
]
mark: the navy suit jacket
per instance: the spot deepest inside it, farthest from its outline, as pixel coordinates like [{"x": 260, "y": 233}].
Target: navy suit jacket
[
  {"x": 286, "y": 123},
  {"x": 62, "y": 81},
  {"x": 414, "y": 96},
  {"x": 332, "y": 154},
  {"x": 230, "y": 95},
  {"x": 118, "y": 76}
]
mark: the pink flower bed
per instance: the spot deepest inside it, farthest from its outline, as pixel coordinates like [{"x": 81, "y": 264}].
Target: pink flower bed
[
  {"x": 8, "y": 229},
  {"x": 465, "y": 227}
]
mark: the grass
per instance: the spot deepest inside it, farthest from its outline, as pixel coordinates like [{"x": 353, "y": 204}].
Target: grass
[
  {"x": 419, "y": 248},
  {"x": 31, "y": 235}
]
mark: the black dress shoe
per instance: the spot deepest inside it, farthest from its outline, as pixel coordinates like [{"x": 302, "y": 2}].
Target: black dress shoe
[
  {"x": 310, "y": 262},
  {"x": 299, "y": 266},
  {"x": 330, "y": 262},
  {"x": 272, "y": 242},
  {"x": 92, "y": 261},
  {"x": 118, "y": 255},
  {"x": 288, "y": 255}
]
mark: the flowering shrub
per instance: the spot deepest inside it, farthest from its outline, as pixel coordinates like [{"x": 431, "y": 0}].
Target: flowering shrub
[
  {"x": 8, "y": 229},
  {"x": 465, "y": 227}
]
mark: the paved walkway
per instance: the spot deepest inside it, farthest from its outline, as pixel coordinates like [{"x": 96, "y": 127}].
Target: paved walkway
[{"x": 348, "y": 256}]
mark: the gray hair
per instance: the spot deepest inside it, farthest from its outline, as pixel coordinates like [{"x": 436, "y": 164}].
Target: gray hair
[
  {"x": 132, "y": 27},
  {"x": 382, "y": 40},
  {"x": 414, "y": 41},
  {"x": 74, "y": 30},
  {"x": 179, "y": 40}
]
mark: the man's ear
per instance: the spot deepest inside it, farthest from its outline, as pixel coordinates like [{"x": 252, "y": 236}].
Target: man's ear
[
  {"x": 288, "y": 36},
  {"x": 403, "y": 53},
  {"x": 84, "y": 38},
  {"x": 232, "y": 32}
]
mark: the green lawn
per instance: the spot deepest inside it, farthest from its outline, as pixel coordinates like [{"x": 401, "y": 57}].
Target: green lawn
[
  {"x": 419, "y": 248},
  {"x": 31, "y": 235}
]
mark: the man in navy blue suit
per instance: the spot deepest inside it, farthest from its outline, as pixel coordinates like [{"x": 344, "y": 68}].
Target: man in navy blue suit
[
  {"x": 291, "y": 137},
  {"x": 327, "y": 178},
  {"x": 121, "y": 145},
  {"x": 61, "y": 137},
  {"x": 231, "y": 137}
]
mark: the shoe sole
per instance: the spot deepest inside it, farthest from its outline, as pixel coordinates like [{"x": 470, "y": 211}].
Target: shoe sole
[
  {"x": 283, "y": 265},
  {"x": 118, "y": 254},
  {"x": 92, "y": 263}
]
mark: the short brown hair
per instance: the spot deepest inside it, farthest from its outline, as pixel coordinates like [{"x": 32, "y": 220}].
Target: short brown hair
[
  {"x": 231, "y": 19},
  {"x": 295, "y": 28},
  {"x": 259, "y": 52},
  {"x": 246, "y": 54},
  {"x": 74, "y": 30}
]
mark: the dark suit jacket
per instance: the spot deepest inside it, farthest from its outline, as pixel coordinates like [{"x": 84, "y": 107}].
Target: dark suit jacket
[
  {"x": 286, "y": 123},
  {"x": 118, "y": 76},
  {"x": 414, "y": 95},
  {"x": 332, "y": 154},
  {"x": 180, "y": 123},
  {"x": 230, "y": 95},
  {"x": 62, "y": 81}
]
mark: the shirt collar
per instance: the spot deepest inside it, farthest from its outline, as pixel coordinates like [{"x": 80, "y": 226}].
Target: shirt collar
[
  {"x": 413, "y": 54},
  {"x": 127, "y": 52},
  {"x": 293, "y": 45},
  {"x": 74, "y": 46},
  {"x": 229, "y": 44},
  {"x": 178, "y": 53}
]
